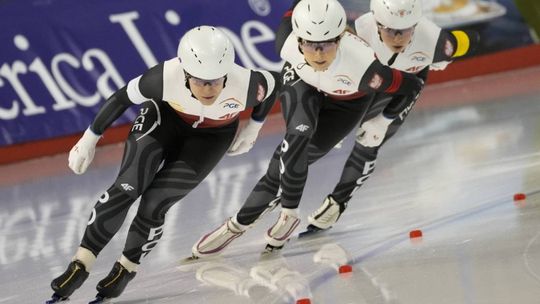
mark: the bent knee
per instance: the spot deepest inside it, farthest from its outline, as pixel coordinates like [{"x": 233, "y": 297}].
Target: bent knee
[{"x": 128, "y": 187}]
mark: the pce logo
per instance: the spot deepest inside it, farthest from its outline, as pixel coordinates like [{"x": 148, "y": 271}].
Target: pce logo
[{"x": 230, "y": 105}]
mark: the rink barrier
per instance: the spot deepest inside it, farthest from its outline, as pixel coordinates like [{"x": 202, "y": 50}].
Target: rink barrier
[{"x": 518, "y": 58}]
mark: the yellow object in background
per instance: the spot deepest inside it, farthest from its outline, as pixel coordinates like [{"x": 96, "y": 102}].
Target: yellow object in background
[{"x": 530, "y": 10}]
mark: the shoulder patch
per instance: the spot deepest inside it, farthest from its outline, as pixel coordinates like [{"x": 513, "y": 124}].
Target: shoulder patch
[
  {"x": 261, "y": 92},
  {"x": 376, "y": 81},
  {"x": 448, "y": 48}
]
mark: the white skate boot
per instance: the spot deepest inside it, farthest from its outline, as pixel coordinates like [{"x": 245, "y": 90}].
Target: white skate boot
[
  {"x": 281, "y": 231},
  {"x": 214, "y": 242},
  {"x": 324, "y": 217}
]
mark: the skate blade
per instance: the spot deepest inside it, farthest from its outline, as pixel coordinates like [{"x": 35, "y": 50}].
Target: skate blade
[
  {"x": 312, "y": 231},
  {"x": 269, "y": 249},
  {"x": 56, "y": 299},
  {"x": 192, "y": 262},
  {"x": 99, "y": 300}
]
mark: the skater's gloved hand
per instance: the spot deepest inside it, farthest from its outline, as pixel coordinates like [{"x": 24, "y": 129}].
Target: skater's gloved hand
[
  {"x": 371, "y": 133},
  {"x": 246, "y": 138},
  {"x": 82, "y": 153}
]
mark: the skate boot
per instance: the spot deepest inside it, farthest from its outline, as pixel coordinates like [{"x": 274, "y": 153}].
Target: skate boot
[
  {"x": 68, "y": 282},
  {"x": 281, "y": 231},
  {"x": 114, "y": 283},
  {"x": 214, "y": 242},
  {"x": 327, "y": 214}
]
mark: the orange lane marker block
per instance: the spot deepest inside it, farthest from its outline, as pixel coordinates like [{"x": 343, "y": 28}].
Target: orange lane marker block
[
  {"x": 415, "y": 234},
  {"x": 303, "y": 301},
  {"x": 519, "y": 197},
  {"x": 345, "y": 269}
]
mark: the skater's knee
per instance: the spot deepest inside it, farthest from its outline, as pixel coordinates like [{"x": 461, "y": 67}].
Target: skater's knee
[{"x": 128, "y": 187}]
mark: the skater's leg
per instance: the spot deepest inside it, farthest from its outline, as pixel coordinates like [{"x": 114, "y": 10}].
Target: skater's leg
[
  {"x": 112, "y": 206},
  {"x": 183, "y": 170},
  {"x": 358, "y": 168}
]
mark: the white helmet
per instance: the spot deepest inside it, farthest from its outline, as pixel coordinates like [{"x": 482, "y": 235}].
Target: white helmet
[
  {"x": 206, "y": 52},
  {"x": 318, "y": 20},
  {"x": 397, "y": 14}
]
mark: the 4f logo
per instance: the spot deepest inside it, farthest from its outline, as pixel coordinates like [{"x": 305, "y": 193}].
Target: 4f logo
[
  {"x": 302, "y": 128},
  {"x": 127, "y": 187}
]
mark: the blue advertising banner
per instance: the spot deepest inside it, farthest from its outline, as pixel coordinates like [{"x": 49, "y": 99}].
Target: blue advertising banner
[{"x": 61, "y": 59}]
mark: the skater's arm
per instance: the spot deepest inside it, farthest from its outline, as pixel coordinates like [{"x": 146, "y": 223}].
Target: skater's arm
[
  {"x": 454, "y": 44},
  {"x": 400, "y": 102},
  {"x": 261, "y": 96},
  {"x": 138, "y": 90},
  {"x": 383, "y": 79},
  {"x": 262, "y": 93}
]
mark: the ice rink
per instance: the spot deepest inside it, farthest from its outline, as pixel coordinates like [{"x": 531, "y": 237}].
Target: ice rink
[{"x": 451, "y": 171}]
